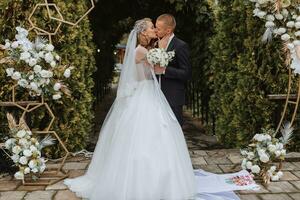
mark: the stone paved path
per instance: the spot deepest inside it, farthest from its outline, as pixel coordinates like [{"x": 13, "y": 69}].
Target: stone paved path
[{"x": 205, "y": 152}]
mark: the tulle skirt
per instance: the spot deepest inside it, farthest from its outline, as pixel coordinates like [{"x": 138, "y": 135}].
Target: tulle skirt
[{"x": 141, "y": 153}]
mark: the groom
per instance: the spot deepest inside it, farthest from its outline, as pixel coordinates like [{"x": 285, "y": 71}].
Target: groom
[{"x": 176, "y": 74}]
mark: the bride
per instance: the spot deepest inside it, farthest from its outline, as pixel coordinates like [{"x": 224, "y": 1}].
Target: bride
[{"x": 141, "y": 153}]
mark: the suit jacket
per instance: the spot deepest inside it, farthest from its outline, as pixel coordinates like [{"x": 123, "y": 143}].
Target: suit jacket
[{"x": 177, "y": 73}]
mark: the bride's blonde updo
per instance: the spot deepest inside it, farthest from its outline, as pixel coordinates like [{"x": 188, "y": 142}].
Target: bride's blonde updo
[{"x": 140, "y": 26}]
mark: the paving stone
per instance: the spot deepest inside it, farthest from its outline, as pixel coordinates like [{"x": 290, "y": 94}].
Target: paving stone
[
  {"x": 297, "y": 173},
  {"x": 249, "y": 197},
  {"x": 9, "y": 185},
  {"x": 297, "y": 164},
  {"x": 65, "y": 195},
  {"x": 281, "y": 186},
  {"x": 76, "y": 173},
  {"x": 211, "y": 168},
  {"x": 200, "y": 152},
  {"x": 30, "y": 188},
  {"x": 235, "y": 159},
  {"x": 290, "y": 166},
  {"x": 230, "y": 168},
  {"x": 296, "y": 184},
  {"x": 199, "y": 161},
  {"x": 75, "y": 165},
  {"x": 288, "y": 176},
  {"x": 295, "y": 196},
  {"x": 292, "y": 155},
  {"x": 217, "y": 160},
  {"x": 12, "y": 195},
  {"x": 6, "y": 178},
  {"x": 39, "y": 195},
  {"x": 57, "y": 186},
  {"x": 275, "y": 197}
]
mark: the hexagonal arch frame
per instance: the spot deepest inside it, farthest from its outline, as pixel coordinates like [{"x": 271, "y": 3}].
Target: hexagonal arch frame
[
  {"x": 50, "y": 175},
  {"x": 69, "y": 22}
]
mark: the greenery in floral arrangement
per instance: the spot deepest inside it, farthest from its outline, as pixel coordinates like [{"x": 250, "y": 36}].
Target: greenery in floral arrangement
[
  {"x": 25, "y": 150},
  {"x": 264, "y": 150}
]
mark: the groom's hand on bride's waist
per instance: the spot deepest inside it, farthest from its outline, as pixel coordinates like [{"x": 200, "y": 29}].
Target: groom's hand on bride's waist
[{"x": 159, "y": 70}]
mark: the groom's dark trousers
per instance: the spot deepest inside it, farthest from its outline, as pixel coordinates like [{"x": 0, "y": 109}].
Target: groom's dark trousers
[{"x": 177, "y": 73}]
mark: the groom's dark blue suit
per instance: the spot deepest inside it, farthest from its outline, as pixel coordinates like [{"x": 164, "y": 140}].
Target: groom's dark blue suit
[{"x": 176, "y": 75}]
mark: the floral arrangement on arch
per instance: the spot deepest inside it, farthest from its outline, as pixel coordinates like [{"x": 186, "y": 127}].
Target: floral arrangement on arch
[
  {"x": 282, "y": 19},
  {"x": 264, "y": 150},
  {"x": 25, "y": 150},
  {"x": 35, "y": 65}
]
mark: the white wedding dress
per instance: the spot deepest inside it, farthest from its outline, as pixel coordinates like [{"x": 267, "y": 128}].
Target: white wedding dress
[{"x": 141, "y": 153}]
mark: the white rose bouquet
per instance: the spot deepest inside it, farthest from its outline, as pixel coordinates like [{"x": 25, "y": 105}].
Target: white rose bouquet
[
  {"x": 34, "y": 65},
  {"x": 264, "y": 149},
  {"x": 25, "y": 150},
  {"x": 159, "y": 56}
]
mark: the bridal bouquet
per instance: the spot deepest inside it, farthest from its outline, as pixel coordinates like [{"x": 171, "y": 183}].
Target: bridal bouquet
[
  {"x": 263, "y": 150},
  {"x": 34, "y": 65},
  {"x": 25, "y": 150},
  {"x": 159, "y": 56}
]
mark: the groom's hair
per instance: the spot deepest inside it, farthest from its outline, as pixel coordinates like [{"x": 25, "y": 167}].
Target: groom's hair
[{"x": 168, "y": 19}]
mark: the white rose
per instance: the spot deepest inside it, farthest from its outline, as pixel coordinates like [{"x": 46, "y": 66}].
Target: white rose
[
  {"x": 269, "y": 24},
  {"x": 9, "y": 142},
  {"x": 15, "y": 44},
  {"x": 261, "y": 14},
  {"x": 56, "y": 96},
  {"x": 19, "y": 175},
  {"x": 32, "y": 164},
  {"x": 27, "y": 153},
  {"x": 16, "y": 76},
  {"x": 249, "y": 165},
  {"x": 264, "y": 158},
  {"x": 281, "y": 31},
  {"x": 48, "y": 57},
  {"x": 32, "y": 62},
  {"x": 9, "y": 71},
  {"x": 21, "y": 133},
  {"x": 272, "y": 148},
  {"x": 250, "y": 155},
  {"x": 297, "y": 33},
  {"x": 27, "y": 170},
  {"x": 23, "y": 142},
  {"x": 46, "y": 74},
  {"x": 57, "y": 86},
  {"x": 37, "y": 69},
  {"x": 53, "y": 64},
  {"x": 277, "y": 153},
  {"x": 7, "y": 45},
  {"x": 244, "y": 163},
  {"x": 33, "y": 86},
  {"x": 270, "y": 18},
  {"x": 57, "y": 57},
  {"x": 255, "y": 169},
  {"x": 41, "y": 54},
  {"x": 24, "y": 55},
  {"x": 49, "y": 47},
  {"x": 285, "y": 37},
  {"x": 275, "y": 178},
  {"x": 23, "y": 83},
  {"x": 285, "y": 12},
  {"x": 283, "y": 152},
  {"x": 23, "y": 160},
  {"x": 67, "y": 73},
  {"x": 35, "y": 170},
  {"x": 279, "y": 16},
  {"x": 33, "y": 148},
  {"x": 296, "y": 42},
  {"x": 15, "y": 158},
  {"x": 280, "y": 174},
  {"x": 290, "y": 24},
  {"x": 16, "y": 149},
  {"x": 31, "y": 77},
  {"x": 297, "y": 25},
  {"x": 42, "y": 168}
]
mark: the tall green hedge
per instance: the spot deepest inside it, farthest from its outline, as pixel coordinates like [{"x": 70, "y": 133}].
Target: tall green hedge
[
  {"x": 74, "y": 44},
  {"x": 244, "y": 71}
]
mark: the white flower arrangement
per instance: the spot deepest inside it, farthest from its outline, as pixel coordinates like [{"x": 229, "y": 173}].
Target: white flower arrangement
[
  {"x": 282, "y": 19},
  {"x": 25, "y": 150},
  {"x": 264, "y": 149},
  {"x": 34, "y": 65},
  {"x": 159, "y": 56}
]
